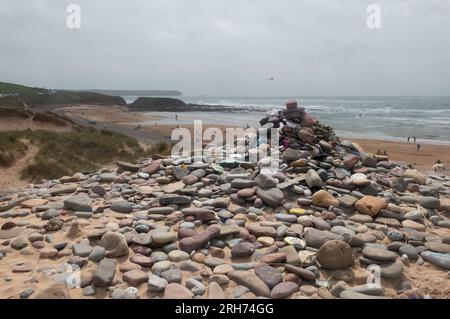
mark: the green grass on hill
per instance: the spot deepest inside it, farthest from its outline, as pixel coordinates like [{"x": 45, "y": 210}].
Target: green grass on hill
[
  {"x": 15, "y": 95},
  {"x": 65, "y": 153},
  {"x": 11, "y": 147}
]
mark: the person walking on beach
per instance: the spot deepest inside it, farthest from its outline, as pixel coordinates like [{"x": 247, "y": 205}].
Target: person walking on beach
[
  {"x": 409, "y": 137},
  {"x": 418, "y": 147},
  {"x": 414, "y": 139}
]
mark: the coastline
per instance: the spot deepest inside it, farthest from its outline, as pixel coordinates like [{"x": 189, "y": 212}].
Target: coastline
[{"x": 150, "y": 129}]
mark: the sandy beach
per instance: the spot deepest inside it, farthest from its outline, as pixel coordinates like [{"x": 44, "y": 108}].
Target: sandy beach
[
  {"x": 119, "y": 118},
  {"x": 422, "y": 160}
]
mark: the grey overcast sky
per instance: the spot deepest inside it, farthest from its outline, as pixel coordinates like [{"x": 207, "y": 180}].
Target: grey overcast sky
[{"x": 229, "y": 47}]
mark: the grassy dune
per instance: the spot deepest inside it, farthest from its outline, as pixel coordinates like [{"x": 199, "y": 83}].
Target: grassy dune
[{"x": 65, "y": 153}]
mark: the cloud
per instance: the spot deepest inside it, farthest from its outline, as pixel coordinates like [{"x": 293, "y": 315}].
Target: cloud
[{"x": 227, "y": 47}]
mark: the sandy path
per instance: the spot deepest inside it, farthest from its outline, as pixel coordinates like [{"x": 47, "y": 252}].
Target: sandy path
[{"x": 10, "y": 176}]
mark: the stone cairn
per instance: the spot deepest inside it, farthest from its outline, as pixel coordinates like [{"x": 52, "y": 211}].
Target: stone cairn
[{"x": 332, "y": 222}]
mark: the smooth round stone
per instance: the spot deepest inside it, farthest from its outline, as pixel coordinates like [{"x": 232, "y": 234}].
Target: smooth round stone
[
  {"x": 142, "y": 260},
  {"x": 246, "y": 192},
  {"x": 178, "y": 255},
  {"x": 266, "y": 241},
  {"x": 82, "y": 250},
  {"x": 225, "y": 214},
  {"x": 242, "y": 250},
  {"x": 359, "y": 179},
  {"x": 143, "y": 239},
  {"x": 222, "y": 269},
  {"x": 395, "y": 235},
  {"x": 169, "y": 247},
  {"x": 164, "y": 237},
  {"x": 287, "y": 218},
  {"x": 308, "y": 290},
  {"x": 49, "y": 214},
  {"x": 306, "y": 221},
  {"x": 413, "y": 215},
  {"x": 161, "y": 266},
  {"x": 215, "y": 242},
  {"x": 438, "y": 259},
  {"x": 269, "y": 275},
  {"x": 346, "y": 275},
  {"x": 429, "y": 202},
  {"x": 121, "y": 206},
  {"x": 335, "y": 254},
  {"x": 283, "y": 290},
  {"x": 392, "y": 271},
  {"x": 395, "y": 246},
  {"x": 410, "y": 251},
  {"x": 361, "y": 218},
  {"x": 142, "y": 228},
  {"x": 188, "y": 265},
  {"x": 220, "y": 279},
  {"x": 341, "y": 230},
  {"x": 163, "y": 180},
  {"x": 195, "y": 286},
  {"x": 438, "y": 247},
  {"x": 111, "y": 226},
  {"x": 213, "y": 261},
  {"x": 156, "y": 284},
  {"x": 378, "y": 254},
  {"x": 19, "y": 243},
  {"x": 414, "y": 225},
  {"x": 35, "y": 237},
  {"x": 187, "y": 225},
  {"x": 172, "y": 275},
  {"x": 48, "y": 253}
]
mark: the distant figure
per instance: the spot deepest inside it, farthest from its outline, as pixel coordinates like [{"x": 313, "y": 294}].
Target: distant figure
[
  {"x": 438, "y": 166},
  {"x": 176, "y": 117},
  {"x": 409, "y": 137},
  {"x": 378, "y": 152},
  {"x": 414, "y": 139},
  {"x": 385, "y": 153},
  {"x": 248, "y": 126},
  {"x": 418, "y": 147}
]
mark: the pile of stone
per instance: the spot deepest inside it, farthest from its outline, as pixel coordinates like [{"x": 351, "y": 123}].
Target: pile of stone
[{"x": 327, "y": 223}]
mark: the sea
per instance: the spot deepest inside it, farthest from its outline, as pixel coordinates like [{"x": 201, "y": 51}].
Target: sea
[{"x": 387, "y": 118}]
